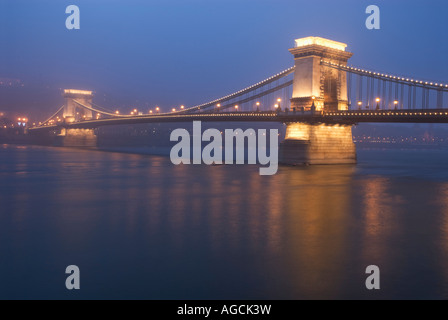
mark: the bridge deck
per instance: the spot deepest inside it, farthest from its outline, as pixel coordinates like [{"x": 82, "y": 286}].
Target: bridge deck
[{"x": 337, "y": 117}]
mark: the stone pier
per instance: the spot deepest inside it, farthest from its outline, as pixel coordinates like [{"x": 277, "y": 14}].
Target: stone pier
[
  {"x": 318, "y": 144},
  {"x": 80, "y": 138}
]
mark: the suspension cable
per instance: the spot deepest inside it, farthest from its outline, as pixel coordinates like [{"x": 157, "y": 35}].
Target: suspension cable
[{"x": 54, "y": 115}]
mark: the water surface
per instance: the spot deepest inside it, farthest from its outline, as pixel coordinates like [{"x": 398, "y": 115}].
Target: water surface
[{"x": 139, "y": 227}]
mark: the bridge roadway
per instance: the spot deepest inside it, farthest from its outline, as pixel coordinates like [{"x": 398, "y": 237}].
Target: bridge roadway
[{"x": 335, "y": 117}]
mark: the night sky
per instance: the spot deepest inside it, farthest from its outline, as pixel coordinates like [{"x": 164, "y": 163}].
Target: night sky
[{"x": 146, "y": 53}]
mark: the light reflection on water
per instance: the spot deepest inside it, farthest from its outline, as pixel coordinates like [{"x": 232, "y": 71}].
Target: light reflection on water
[{"x": 140, "y": 227}]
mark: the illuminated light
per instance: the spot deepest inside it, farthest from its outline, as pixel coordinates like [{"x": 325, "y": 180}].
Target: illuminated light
[
  {"x": 377, "y": 99},
  {"x": 174, "y": 110},
  {"x": 218, "y": 105},
  {"x": 117, "y": 112},
  {"x": 157, "y": 108},
  {"x": 236, "y": 107},
  {"x": 73, "y": 91},
  {"x": 150, "y": 111},
  {"x": 302, "y": 42},
  {"x": 395, "y": 102},
  {"x": 276, "y": 106},
  {"x": 359, "y": 103},
  {"x": 258, "y": 103},
  {"x": 279, "y": 100}
]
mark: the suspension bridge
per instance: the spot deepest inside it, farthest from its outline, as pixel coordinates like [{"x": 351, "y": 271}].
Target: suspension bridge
[{"x": 320, "y": 98}]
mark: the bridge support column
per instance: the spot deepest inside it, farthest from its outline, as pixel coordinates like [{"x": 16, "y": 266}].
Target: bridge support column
[
  {"x": 76, "y": 138},
  {"x": 72, "y": 111},
  {"x": 321, "y": 143},
  {"x": 316, "y": 83}
]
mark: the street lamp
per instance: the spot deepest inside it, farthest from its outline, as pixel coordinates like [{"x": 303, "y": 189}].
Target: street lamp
[
  {"x": 278, "y": 101},
  {"x": 236, "y": 107},
  {"x": 396, "y": 104},
  {"x": 258, "y": 105},
  {"x": 359, "y": 105},
  {"x": 182, "y": 107},
  {"x": 157, "y": 109},
  {"x": 174, "y": 109},
  {"x": 377, "y": 103},
  {"x": 313, "y": 106}
]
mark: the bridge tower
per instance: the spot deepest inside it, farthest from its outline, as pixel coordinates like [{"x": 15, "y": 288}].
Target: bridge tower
[
  {"x": 72, "y": 112},
  {"x": 318, "y": 88}
]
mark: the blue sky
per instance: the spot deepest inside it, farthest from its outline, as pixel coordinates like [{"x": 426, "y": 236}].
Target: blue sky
[{"x": 171, "y": 52}]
